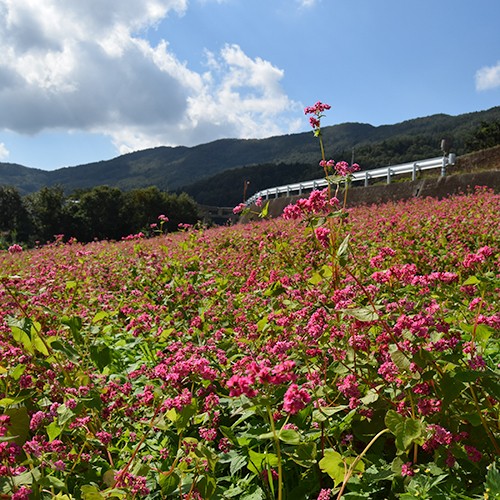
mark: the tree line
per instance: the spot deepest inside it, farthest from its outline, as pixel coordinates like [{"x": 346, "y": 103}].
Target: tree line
[{"x": 99, "y": 213}]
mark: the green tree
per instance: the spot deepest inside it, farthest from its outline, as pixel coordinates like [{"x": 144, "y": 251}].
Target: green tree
[
  {"x": 487, "y": 135},
  {"x": 98, "y": 214},
  {"x": 142, "y": 208},
  {"x": 47, "y": 212},
  {"x": 180, "y": 208},
  {"x": 14, "y": 219}
]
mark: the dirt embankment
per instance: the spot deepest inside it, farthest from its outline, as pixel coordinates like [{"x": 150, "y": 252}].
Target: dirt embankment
[{"x": 476, "y": 169}]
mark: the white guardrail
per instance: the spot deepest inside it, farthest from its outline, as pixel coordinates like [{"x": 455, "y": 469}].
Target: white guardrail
[{"x": 388, "y": 172}]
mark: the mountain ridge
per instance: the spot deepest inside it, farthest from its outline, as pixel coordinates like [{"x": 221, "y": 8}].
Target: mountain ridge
[{"x": 178, "y": 167}]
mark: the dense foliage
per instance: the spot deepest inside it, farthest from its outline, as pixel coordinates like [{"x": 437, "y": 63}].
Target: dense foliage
[
  {"x": 250, "y": 362},
  {"x": 487, "y": 135},
  {"x": 98, "y": 213}
]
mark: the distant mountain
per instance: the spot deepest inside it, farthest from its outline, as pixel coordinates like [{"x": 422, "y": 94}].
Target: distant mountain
[{"x": 289, "y": 157}]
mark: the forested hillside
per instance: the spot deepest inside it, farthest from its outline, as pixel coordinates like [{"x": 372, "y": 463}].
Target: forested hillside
[
  {"x": 176, "y": 168},
  {"x": 228, "y": 188}
]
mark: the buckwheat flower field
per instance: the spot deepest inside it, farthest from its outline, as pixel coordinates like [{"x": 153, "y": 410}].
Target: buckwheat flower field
[{"x": 246, "y": 362}]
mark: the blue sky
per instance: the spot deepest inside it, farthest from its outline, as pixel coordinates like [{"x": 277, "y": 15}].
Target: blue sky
[{"x": 88, "y": 80}]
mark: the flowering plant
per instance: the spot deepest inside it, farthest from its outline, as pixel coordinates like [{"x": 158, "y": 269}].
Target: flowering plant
[{"x": 233, "y": 362}]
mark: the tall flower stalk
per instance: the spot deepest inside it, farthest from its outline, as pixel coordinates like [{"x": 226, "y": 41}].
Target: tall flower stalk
[{"x": 329, "y": 232}]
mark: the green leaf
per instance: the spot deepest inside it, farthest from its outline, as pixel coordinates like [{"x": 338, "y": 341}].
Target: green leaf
[
  {"x": 492, "y": 483},
  {"x": 409, "y": 432},
  {"x": 182, "y": 418},
  {"x": 75, "y": 325},
  {"x": 35, "y": 327},
  {"x": 254, "y": 493},
  {"x": 91, "y": 493},
  {"x": 305, "y": 454},
  {"x": 473, "y": 280},
  {"x": 169, "y": 483},
  {"x": 406, "y": 430},
  {"x": 19, "y": 425},
  {"x": 326, "y": 271},
  {"x": 53, "y": 430},
  {"x": 401, "y": 361},
  {"x": 322, "y": 413},
  {"x": 18, "y": 371},
  {"x": 392, "y": 420},
  {"x": 62, "y": 496},
  {"x": 451, "y": 386},
  {"x": 363, "y": 313},
  {"x": 64, "y": 414},
  {"x": 53, "y": 482},
  {"x": 67, "y": 349},
  {"x": 39, "y": 345},
  {"x": 108, "y": 478},
  {"x": 22, "y": 338},
  {"x": 6, "y": 402},
  {"x": 261, "y": 324},
  {"x": 289, "y": 436},
  {"x": 261, "y": 461},
  {"x": 333, "y": 465},
  {"x": 343, "y": 251},
  {"x": 274, "y": 290},
  {"x": 266, "y": 435},
  {"x": 370, "y": 397},
  {"x": 337, "y": 466},
  {"x": 204, "y": 452},
  {"x": 264, "y": 211},
  {"x": 467, "y": 376},
  {"x": 334, "y": 179},
  {"x": 473, "y": 418},
  {"x": 492, "y": 386},
  {"x": 315, "y": 279},
  {"x": 206, "y": 485},
  {"x": 237, "y": 463},
  {"x": 483, "y": 333},
  {"x": 100, "y": 355},
  {"x": 26, "y": 478},
  {"x": 99, "y": 316}
]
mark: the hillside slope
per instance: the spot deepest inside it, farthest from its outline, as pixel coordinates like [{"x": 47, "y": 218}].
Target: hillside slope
[{"x": 171, "y": 168}]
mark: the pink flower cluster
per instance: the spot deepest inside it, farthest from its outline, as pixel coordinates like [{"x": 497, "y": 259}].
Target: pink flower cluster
[
  {"x": 4, "y": 424},
  {"x": 316, "y": 203},
  {"x": 252, "y": 375},
  {"x": 349, "y": 387},
  {"x": 239, "y": 208},
  {"x": 15, "y": 249},
  {"x": 317, "y": 110},
  {"x": 295, "y": 399},
  {"x": 341, "y": 168},
  {"x": 477, "y": 258},
  {"x": 325, "y": 494}
]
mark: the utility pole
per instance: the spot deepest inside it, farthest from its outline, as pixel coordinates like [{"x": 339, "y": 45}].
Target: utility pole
[{"x": 245, "y": 186}]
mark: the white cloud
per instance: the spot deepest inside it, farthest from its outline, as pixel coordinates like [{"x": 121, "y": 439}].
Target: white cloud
[
  {"x": 4, "y": 152},
  {"x": 307, "y": 3},
  {"x": 87, "y": 66},
  {"x": 488, "y": 77}
]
